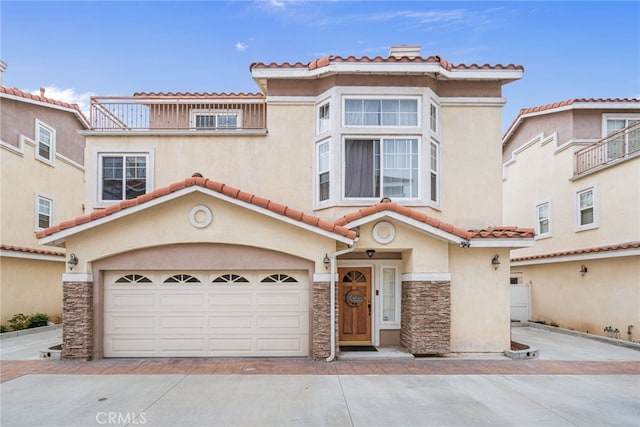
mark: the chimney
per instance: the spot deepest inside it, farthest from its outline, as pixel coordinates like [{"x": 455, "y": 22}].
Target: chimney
[
  {"x": 404, "y": 50},
  {"x": 42, "y": 91},
  {"x": 3, "y": 66}
]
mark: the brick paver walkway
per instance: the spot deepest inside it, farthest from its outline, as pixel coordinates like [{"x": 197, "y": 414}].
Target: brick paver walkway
[{"x": 10, "y": 369}]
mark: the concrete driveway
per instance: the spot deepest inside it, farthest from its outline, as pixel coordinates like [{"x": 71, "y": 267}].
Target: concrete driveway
[{"x": 556, "y": 390}]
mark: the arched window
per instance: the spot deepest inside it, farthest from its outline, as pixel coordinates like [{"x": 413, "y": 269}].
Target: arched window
[
  {"x": 133, "y": 278},
  {"x": 182, "y": 279},
  {"x": 230, "y": 278},
  {"x": 279, "y": 278},
  {"x": 354, "y": 276}
]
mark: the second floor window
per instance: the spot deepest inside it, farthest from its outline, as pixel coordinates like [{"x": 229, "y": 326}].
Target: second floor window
[
  {"x": 586, "y": 209},
  {"x": 543, "y": 220},
  {"x": 44, "y": 212},
  {"x": 625, "y": 143},
  {"x": 381, "y": 112},
  {"x": 385, "y": 167},
  {"x": 123, "y": 177},
  {"x": 215, "y": 119},
  {"x": 324, "y": 183},
  {"x": 45, "y": 142},
  {"x": 324, "y": 118}
]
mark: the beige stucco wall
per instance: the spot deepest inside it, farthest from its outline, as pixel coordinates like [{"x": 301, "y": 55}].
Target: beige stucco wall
[
  {"x": 30, "y": 286},
  {"x": 21, "y": 178},
  {"x": 168, "y": 223},
  {"x": 470, "y": 166},
  {"x": 528, "y": 183},
  {"x": 277, "y": 165},
  {"x": 480, "y": 305},
  {"x": 607, "y": 295}
]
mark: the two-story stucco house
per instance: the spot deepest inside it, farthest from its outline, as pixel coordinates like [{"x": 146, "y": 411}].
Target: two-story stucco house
[
  {"x": 573, "y": 170},
  {"x": 42, "y": 182},
  {"x": 352, "y": 201}
]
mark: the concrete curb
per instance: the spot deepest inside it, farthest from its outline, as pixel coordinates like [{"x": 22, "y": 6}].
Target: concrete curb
[
  {"x": 621, "y": 343},
  {"x": 30, "y": 331}
]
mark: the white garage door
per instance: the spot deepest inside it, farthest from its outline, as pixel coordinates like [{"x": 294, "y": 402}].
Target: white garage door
[{"x": 206, "y": 314}]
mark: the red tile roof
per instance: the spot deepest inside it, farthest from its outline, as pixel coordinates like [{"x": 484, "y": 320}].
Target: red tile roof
[
  {"x": 23, "y": 94},
  {"x": 207, "y": 95},
  {"x": 30, "y": 250},
  {"x": 490, "y": 232},
  {"x": 211, "y": 185},
  {"x": 325, "y": 61},
  {"x": 621, "y": 246},
  {"x": 566, "y": 103}
]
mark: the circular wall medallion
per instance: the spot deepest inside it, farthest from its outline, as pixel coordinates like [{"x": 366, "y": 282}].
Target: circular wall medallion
[
  {"x": 383, "y": 232},
  {"x": 200, "y": 216}
]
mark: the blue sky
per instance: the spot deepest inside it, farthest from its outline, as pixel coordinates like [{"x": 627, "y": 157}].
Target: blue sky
[{"x": 75, "y": 48}]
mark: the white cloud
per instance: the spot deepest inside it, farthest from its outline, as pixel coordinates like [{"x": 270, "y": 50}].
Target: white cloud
[
  {"x": 241, "y": 47},
  {"x": 67, "y": 95}
]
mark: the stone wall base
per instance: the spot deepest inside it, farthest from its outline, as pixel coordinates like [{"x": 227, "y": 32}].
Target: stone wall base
[
  {"x": 77, "y": 321},
  {"x": 426, "y": 317}
]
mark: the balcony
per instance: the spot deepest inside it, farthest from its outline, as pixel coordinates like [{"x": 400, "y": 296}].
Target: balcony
[
  {"x": 610, "y": 150},
  {"x": 179, "y": 113}
]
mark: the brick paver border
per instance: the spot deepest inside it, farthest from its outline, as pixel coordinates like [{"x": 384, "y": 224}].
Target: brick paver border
[{"x": 11, "y": 369}]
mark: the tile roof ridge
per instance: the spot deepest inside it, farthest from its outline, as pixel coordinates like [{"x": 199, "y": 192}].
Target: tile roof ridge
[
  {"x": 198, "y": 180},
  {"x": 198, "y": 95},
  {"x": 595, "y": 249},
  {"x": 18, "y": 92}
]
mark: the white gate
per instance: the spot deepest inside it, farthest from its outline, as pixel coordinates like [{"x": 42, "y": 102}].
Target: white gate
[{"x": 521, "y": 302}]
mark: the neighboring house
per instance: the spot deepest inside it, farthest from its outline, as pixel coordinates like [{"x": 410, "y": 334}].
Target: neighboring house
[
  {"x": 42, "y": 166},
  {"x": 374, "y": 183},
  {"x": 573, "y": 170}
]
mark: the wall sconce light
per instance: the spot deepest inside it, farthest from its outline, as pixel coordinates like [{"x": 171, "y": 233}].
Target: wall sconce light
[
  {"x": 370, "y": 253},
  {"x": 583, "y": 269},
  {"x": 326, "y": 261},
  {"x": 73, "y": 261},
  {"x": 495, "y": 261}
]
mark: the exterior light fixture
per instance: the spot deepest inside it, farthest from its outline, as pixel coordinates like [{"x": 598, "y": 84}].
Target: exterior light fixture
[
  {"x": 73, "y": 261},
  {"x": 326, "y": 261},
  {"x": 370, "y": 253},
  {"x": 495, "y": 261},
  {"x": 464, "y": 244},
  {"x": 583, "y": 269}
]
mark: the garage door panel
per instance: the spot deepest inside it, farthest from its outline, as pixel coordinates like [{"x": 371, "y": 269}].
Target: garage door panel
[
  {"x": 240, "y": 319},
  {"x": 231, "y": 323}
]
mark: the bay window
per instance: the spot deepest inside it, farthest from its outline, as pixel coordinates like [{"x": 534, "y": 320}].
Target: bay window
[
  {"x": 323, "y": 171},
  {"x": 324, "y": 118},
  {"x": 381, "y": 112},
  {"x": 386, "y": 167}
]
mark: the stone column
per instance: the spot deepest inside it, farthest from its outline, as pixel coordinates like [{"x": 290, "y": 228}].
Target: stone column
[
  {"x": 321, "y": 334},
  {"x": 77, "y": 320},
  {"x": 426, "y": 317}
]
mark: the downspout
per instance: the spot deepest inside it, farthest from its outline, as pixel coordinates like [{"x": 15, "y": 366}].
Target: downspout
[{"x": 332, "y": 284}]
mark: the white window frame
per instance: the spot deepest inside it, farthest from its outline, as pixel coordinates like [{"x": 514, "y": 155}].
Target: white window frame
[
  {"x": 40, "y": 197},
  {"x": 629, "y": 119},
  {"x": 99, "y": 172},
  {"x": 435, "y": 172},
  {"x": 539, "y": 234},
  {"x": 52, "y": 144},
  {"x": 578, "y": 210},
  {"x": 352, "y": 97},
  {"x": 434, "y": 122},
  {"x": 381, "y": 138},
  {"x": 320, "y": 171},
  {"x": 323, "y": 124},
  {"x": 215, "y": 112}
]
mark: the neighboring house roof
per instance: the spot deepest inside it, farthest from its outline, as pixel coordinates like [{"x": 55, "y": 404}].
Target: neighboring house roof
[
  {"x": 30, "y": 250},
  {"x": 217, "y": 187},
  {"x": 376, "y": 211},
  {"x": 570, "y": 104},
  {"x": 584, "y": 251},
  {"x": 199, "y": 95},
  {"x": 17, "y": 93},
  {"x": 327, "y": 60}
]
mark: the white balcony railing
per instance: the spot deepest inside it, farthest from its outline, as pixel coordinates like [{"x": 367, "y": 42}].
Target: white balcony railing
[{"x": 613, "y": 148}]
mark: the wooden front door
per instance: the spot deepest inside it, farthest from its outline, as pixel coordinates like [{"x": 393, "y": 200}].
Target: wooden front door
[{"x": 354, "y": 294}]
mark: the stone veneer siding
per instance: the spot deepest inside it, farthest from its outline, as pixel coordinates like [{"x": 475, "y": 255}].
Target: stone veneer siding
[
  {"x": 77, "y": 320},
  {"x": 320, "y": 332},
  {"x": 426, "y": 317}
]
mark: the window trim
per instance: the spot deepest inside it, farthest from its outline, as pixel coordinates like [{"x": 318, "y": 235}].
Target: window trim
[
  {"x": 433, "y": 105},
  {"x": 578, "y": 210},
  {"x": 52, "y": 145},
  {"x": 438, "y": 173},
  {"x": 538, "y": 234},
  {"x": 345, "y": 97},
  {"x": 195, "y": 112},
  {"x": 49, "y": 199},
  {"x": 99, "y": 202}
]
